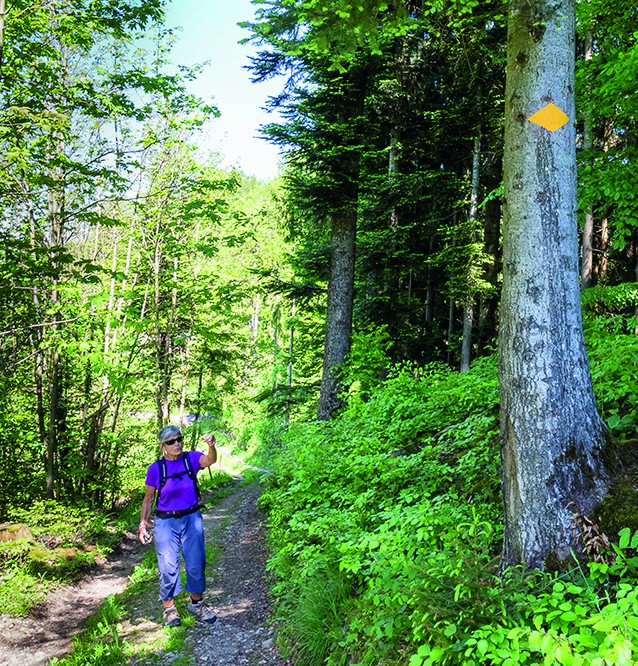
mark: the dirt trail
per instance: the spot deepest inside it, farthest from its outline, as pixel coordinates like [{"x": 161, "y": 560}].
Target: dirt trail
[
  {"x": 237, "y": 591},
  {"x": 48, "y": 630}
]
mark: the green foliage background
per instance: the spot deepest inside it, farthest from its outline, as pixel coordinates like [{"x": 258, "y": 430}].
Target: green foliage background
[{"x": 140, "y": 283}]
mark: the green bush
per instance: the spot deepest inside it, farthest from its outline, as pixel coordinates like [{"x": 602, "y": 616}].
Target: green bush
[{"x": 380, "y": 492}]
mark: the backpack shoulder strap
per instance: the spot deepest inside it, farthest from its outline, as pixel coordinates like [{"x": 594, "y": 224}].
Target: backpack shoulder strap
[
  {"x": 163, "y": 475},
  {"x": 163, "y": 470},
  {"x": 191, "y": 472}
]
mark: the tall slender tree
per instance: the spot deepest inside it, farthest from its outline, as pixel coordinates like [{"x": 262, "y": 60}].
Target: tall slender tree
[{"x": 324, "y": 138}]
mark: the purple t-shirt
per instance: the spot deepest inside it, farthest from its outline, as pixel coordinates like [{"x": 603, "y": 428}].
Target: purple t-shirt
[{"x": 178, "y": 493}]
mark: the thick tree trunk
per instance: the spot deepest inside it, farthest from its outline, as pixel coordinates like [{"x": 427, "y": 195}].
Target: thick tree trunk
[
  {"x": 339, "y": 313},
  {"x": 552, "y": 435}
]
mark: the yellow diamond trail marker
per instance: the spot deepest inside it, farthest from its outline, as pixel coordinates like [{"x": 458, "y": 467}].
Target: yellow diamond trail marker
[{"x": 550, "y": 117}]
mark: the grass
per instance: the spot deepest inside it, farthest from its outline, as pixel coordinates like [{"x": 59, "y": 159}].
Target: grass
[
  {"x": 100, "y": 642},
  {"x": 21, "y": 591}
]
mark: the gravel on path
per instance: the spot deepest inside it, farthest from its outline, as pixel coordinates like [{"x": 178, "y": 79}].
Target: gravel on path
[{"x": 237, "y": 592}]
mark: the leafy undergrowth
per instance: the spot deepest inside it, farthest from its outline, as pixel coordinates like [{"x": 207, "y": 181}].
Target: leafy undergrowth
[
  {"x": 386, "y": 530},
  {"x": 66, "y": 542}
]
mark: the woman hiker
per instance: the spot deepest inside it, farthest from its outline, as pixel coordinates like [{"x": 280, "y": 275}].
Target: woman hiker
[{"x": 178, "y": 523}]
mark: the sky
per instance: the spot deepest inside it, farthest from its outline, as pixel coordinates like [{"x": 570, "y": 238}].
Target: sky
[{"x": 210, "y": 33}]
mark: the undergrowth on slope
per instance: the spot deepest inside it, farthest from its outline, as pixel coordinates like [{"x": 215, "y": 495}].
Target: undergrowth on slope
[{"x": 386, "y": 530}]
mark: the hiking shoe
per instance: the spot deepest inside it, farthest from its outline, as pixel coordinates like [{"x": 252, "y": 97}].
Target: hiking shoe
[
  {"x": 201, "y": 611},
  {"x": 171, "y": 617}
]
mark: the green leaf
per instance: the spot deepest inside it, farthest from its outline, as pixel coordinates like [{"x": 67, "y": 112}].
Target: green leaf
[{"x": 482, "y": 646}]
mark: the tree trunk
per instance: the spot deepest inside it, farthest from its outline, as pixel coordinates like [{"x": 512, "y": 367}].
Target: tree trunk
[
  {"x": 468, "y": 324},
  {"x": 587, "y": 261},
  {"x": 552, "y": 435},
  {"x": 429, "y": 298},
  {"x": 56, "y": 212},
  {"x": 339, "y": 312},
  {"x": 468, "y": 306},
  {"x": 3, "y": 15},
  {"x": 291, "y": 349},
  {"x": 393, "y": 169},
  {"x": 253, "y": 324},
  {"x": 489, "y": 303},
  {"x": 38, "y": 352},
  {"x": 163, "y": 333},
  {"x": 603, "y": 266},
  {"x": 450, "y": 331}
]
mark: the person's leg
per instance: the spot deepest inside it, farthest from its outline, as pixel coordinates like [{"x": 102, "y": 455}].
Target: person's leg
[
  {"x": 167, "y": 547},
  {"x": 194, "y": 553}
]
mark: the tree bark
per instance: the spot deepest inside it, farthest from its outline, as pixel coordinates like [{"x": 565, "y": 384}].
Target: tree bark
[
  {"x": 3, "y": 15},
  {"x": 56, "y": 216},
  {"x": 468, "y": 306},
  {"x": 587, "y": 261},
  {"x": 552, "y": 435},
  {"x": 487, "y": 325},
  {"x": 450, "y": 331},
  {"x": 429, "y": 298},
  {"x": 339, "y": 313},
  {"x": 291, "y": 350}
]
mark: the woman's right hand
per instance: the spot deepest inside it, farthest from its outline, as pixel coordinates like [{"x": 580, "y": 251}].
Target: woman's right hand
[{"x": 144, "y": 537}]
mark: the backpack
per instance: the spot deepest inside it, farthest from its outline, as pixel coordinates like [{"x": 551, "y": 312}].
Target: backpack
[{"x": 163, "y": 469}]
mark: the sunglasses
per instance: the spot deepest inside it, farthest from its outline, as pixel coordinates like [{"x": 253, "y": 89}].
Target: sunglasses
[{"x": 169, "y": 442}]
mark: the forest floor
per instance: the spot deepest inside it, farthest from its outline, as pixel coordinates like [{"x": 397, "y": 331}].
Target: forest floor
[{"x": 237, "y": 592}]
